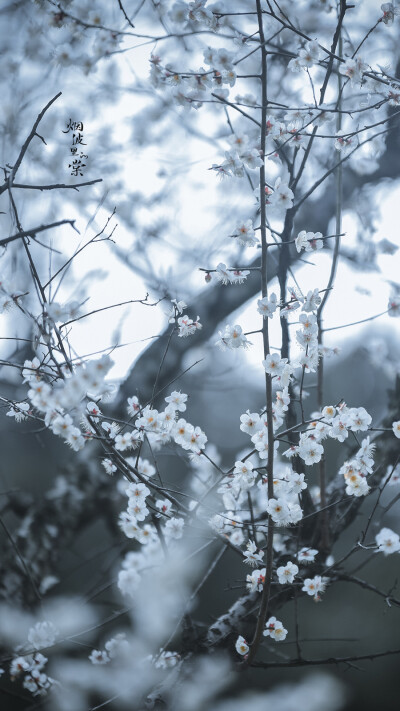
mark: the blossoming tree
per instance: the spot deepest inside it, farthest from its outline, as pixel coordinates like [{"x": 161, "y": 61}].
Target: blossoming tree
[{"x": 315, "y": 122}]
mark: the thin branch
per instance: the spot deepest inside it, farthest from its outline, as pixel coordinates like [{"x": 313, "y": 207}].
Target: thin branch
[
  {"x": 27, "y": 142},
  {"x": 329, "y": 660},
  {"x": 55, "y": 186},
  {"x": 125, "y": 15},
  {"x": 35, "y": 230}
]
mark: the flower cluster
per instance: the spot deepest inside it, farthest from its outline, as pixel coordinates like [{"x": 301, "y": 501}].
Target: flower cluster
[
  {"x": 255, "y": 580},
  {"x": 238, "y": 159},
  {"x": 189, "y": 90},
  {"x": 56, "y": 397},
  {"x": 356, "y": 470},
  {"x": 166, "y": 660},
  {"x": 196, "y": 12},
  {"x": 232, "y": 338},
  {"x": 275, "y": 629},
  {"x": 284, "y": 511},
  {"x": 115, "y": 647},
  {"x": 309, "y": 241},
  {"x": 188, "y": 327},
  {"x": 30, "y": 667},
  {"x": 224, "y": 275},
  {"x": 244, "y": 234},
  {"x": 336, "y": 423},
  {"x": 315, "y": 586},
  {"x": 353, "y": 69},
  {"x": 267, "y": 306},
  {"x": 307, "y": 57}
]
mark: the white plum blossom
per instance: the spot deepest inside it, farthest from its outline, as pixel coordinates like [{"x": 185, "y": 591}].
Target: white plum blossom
[
  {"x": 43, "y": 634},
  {"x": 166, "y": 660},
  {"x": 137, "y": 491},
  {"x": 128, "y": 581},
  {"x": 286, "y": 573},
  {"x": 133, "y": 406},
  {"x": 339, "y": 427},
  {"x": 357, "y": 485},
  {"x": 251, "y": 158},
  {"x": 173, "y": 528},
  {"x": 344, "y": 143},
  {"x": 295, "y": 65},
  {"x": 267, "y": 306},
  {"x": 177, "y": 400},
  {"x": 188, "y": 327},
  {"x": 123, "y": 441},
  {"x": 282, "y": 197},
  {"x": 275, "y": 629},
  {"x": 188, "y": 437},
  {"x": 30, "y": 371},
  {"x": 309, "y": 54},
  {"x": 311, "y": 301},
  {"x": 314, "y": 586},
  {"x": 306, "y": 58},
  {"x": 393, "y": 96},
  {"x": 393, "y": 475},
  {"x": 179, "y": 12},
  {"x": 222, "y": 274},
  {"x": 394, "y": 305},
  {"x": 129, "y": 525},
  {"x": 250, "y": 422},
  {"x": 329, "y": 412},
  {"x": 389, "y": 12},
  {"x": 62, "y": 425},
  {"x": 175, "y": 310},
  {"x": 396, "y": 429},
  {"x": 309, "y": 241},
  {"x": 251, "y": 555},
  {"x": 243, "y": 468},
  {"x": 388, "y": 541},
  {"x": 164, "y": 506},
  {"x": 244, "y": 234},
  {"x": 232, "y": 338},
  {"x": 75, "y": 439},
  {"x": 358, "y": 419},
  {"x": 356, "y": 470},
  {"x": 99, "y": 656},
  {"x": 111, "y": 428},
  {"x": 274, "y": 364},
  {"x": 19, "y": 410},
  {"x": 241, "y": 646},
  {"x": 109, "y": 466},
  {"x": 353, "y": 69},
  {"x": 306, "y": 555},
  {"x": 239, "y": 276},
  {"x": 255, "y": 580},
  {"x": 310, "y": 450},
  {"x": 230, "y": 276},
  {"x": 279, "y": 511},
  {"x": 296, "y": 482},
  {"x": 243, "y": 474},
  {"x": 145, "y": 468}
]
